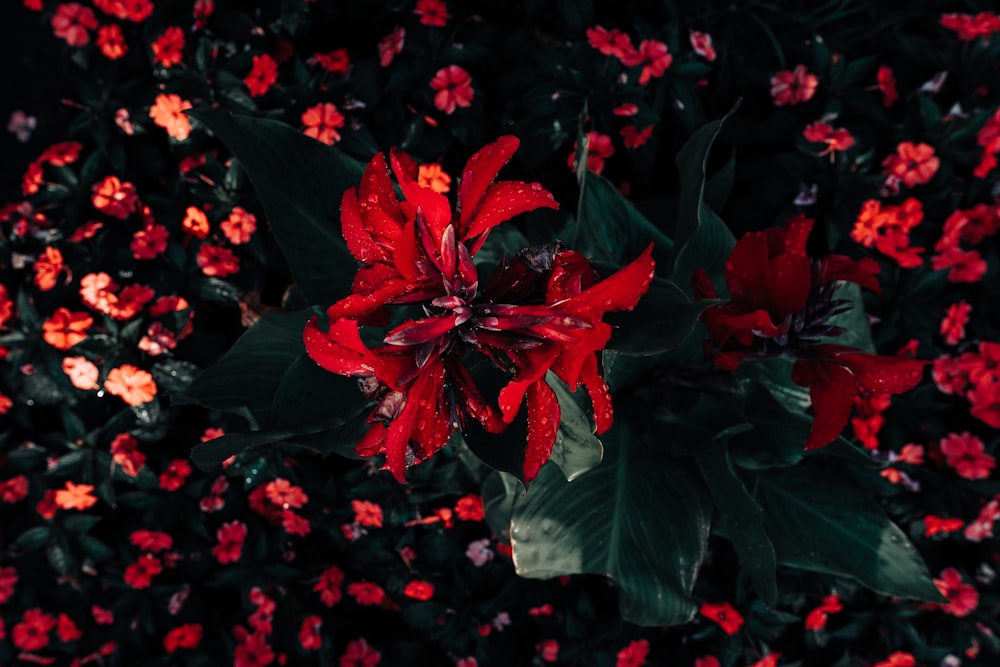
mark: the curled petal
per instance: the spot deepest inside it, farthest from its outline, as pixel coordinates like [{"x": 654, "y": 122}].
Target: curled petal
[
  {"x": 379, "y": 207},
  {"x": 403, "y": 166},
  {"x": 832, "y": 389},
  {"x": 543, "y": 426},
  {"x": 600, "y": 397},
  {"x": 339, "y": 350},
  {"x": 479, "y": 172},
  {"x": 619, "y": 291},
  {"x": 503, "y": 201}
]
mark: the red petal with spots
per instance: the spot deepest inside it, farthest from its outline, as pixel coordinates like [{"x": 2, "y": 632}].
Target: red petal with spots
[
  {"x": 571, "y": 274},
  {"x": 568, "y": 366},
  {"x": 543, "y": 424},
  {"x": 792, "y": 238},
  {"x": 377, "y": 198},
  {"x": 479, "y": 172},
  {"x": 536, "y": 363},
  {"x": 403, "y": 166},
  {"x": 503, "y": 201},
  {"x": 883, "y": 375},
  {"x": 397, "y": 441},
  {"x": 359, "y": 241},
  {"x": 433, "y": 206},
  {"x": 373, "y": 441},
  {"x": 340, "y": 350},
  {"x": 600, "y": 397},
  {"x": 619, "y": 291},
  {"x": 832, "y": 389}
]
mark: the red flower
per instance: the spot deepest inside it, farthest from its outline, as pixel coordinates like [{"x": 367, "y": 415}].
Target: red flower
[
  {"x": 262, "y": 75},
  {"x": 724, "y": 614},
  {"x": 73, "y": 23},
  {"x": 366, "y": 593},
  {"x": 965, "y": 453},
  {"x": 470, "y": 508},
  {"x": 323, "y": 122},
  {"x": 612, "y": 42},
  {"x": 934, "y": 525},
  {"x": 816, "y": 620},
  {"x": 962, "y": 597},
  {"x": 111, "y": 41},
  {"x": 390, "y": 46},
  {"x": 151, "y": 540},
  {"x": 912, "y": 164},
  {"x": 284, "y": 494},
  {"x": 654, "y": 57},
  {"x": 32, "y": 633},
  {"x": 217, "y": 261},
  {"x": 633, "y": 137},
  {"x": 113, "y": 197},
  {"x": 701, "y": 42},
  {"x": 8, "y": 581},
  {"x": 453, "y": 87},
  {"x": 887, "y": 84},
  {"x": 184, "y": 636},
  {"x": 432, "y": 12},
  {"x": 175, "y": 475},
  {"x": 140, "y": 573},
  {"x": 309, "y": 636},
  {"x": 633, "y": 655},
  {"x": 239, "y": 226},
  {"x": 548, "y": 650},
  {"x": 969, "y": 27},
  {"x": 793, "y": 87},
  {"x": 149, "y": 242},
  {"x": 231, "y": 537},
  {"x": 329, "y": 585},
  {"x": 367, "y": 513},
  {"x": 168, "y": 48},
  {"x": 337, "y": 61},
  {"x": 599, "y": 147},
  {"x": 359, "y": 654},
  {"x": 419, "y": 590},
  {"x": 837, "y": 139},
  {"x": 66, "y": 630}
]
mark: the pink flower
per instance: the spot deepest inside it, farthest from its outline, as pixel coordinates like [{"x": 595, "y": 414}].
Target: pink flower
[
  {"x": 964, "y": 452},
  {"x": 390, "y": 46},
  {"x": 612, "y": 42},
  {"x": 72, "y": 22},
  {"x": 654, "y": 57},
  {"x": 962, "y": 597},
  {"x": 793, "y": 87},
  {"x": 701, "y": 42},
  {"x": 454, "y": 88},
  {"x": 359, "y": 654}
]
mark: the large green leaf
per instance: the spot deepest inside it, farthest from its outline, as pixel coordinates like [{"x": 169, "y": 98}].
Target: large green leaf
[
  {"x": 249, "y": 374},
  {"x": 610, "y": 229},
  {"x": 640, "y": 518},
  {"x": 702, "y": 240},
  {"x": 662, "y": 319},
  {"x": 576, "y": 449},
  {"x": 819, "y": 521},
  {"x": 741, "y": 518},
  {"x": 854, "y": 319},
  {"x": 209, "y": 454},
  {"x": 300, "y": 182}
]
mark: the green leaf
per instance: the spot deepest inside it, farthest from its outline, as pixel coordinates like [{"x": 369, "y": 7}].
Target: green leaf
[
  {"x": 822, "y": 523},
  {"x": 576, "y": 449},
  {"x": 249, "y": 375},
  {"x": 720, "y": 184},
  {"x": 854, "y": 319},
  {"x": 702, "y": 240},
  {"x": 208, "y": 455},
  {"x": 300, "y": 182},
  {"x": 499, "y": 491},
  {"x": 741, "y": 517},
  {"x": 662, "y": 320},
  {"x": 610, "y": 229},
  {"x": 602, "y": 523},
  {"x": 34, "y": 538}
]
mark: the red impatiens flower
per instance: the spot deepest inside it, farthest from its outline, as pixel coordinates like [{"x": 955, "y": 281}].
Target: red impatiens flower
[
  {"x": 611, "y": 42},
  {"x": 183, "y": 637},
  {"x": 898, "y": 659},
  {"x": 140, "y": 573},
  {"x": 231, "y": 537},
  {"x": 453, "y": 88},
  {"x": 724, "y": 614},
  {"x": 309, "y": 635},
  {"x": 367, "y": 513},
  {"x": 390, "y": 46},
  {"x": 32, "y": 633},
  {"x": 419, "y": 590},
  {"x": 965, "y": 453},
  {"x": 816, "y": 620},
  {"x": 653, "y": 56},
  {"x": 73, "y": 23},
  {"x": 359, "y": 654},
  {"x": 780, "y": 305},
  {"x": 793, "y": 86},
  {"x": 633, "y": 655},
  {"x": 168, "y": 48},
  {"x": 913, "y": 164},
  {"x": 262, "y": 75},
  {"x": 971, "y": 28},
  {"x": 701, "y": 43},
  {"x": 329, "y": 585},
  {"x": 963, "y": 598},
  {"x": 323, "y": 122},
  {"x": 432, "y": 12},
  {"x": 419, "y": 251},
  {"x": 366, "y": 593}
]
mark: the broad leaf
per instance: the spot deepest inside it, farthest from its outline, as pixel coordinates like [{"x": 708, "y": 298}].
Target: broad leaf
[
  {"x": 499, "y": 491},
  {"x": 249, "y": 374},
  {"x": 300, "y": 182},
  {"x": 609, "y": 229},
  {"x": 819, "y": 521},
  {"x": 211, "y": 453},
  {"x": 602, "y": 523},
  {"x": 662, "y": 320},
  {"x": 576, "y": 449},
  {"x": 853, "y": 319},
  {"x": 741, "y": 518},
  {"x": 702, "y": 240}
]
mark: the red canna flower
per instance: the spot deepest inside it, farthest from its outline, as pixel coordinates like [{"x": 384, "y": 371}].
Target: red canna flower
[{"x": 419, "y": 251}]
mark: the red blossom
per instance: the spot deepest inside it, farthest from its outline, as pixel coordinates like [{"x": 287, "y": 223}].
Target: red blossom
[
  {"x": 323, "y": 123},
  {"x": 913, "y": 164},
  {"x": 419, "y": 590},
  {"x": 599, "y": 148},
  {"x": 965, "y": 453},
  {"x": 962, "y": 597},
  {"x": 390, "y": 46},
  {"x": 32, "y": 633},
  {"x": 140, "y": 573},
  {"x": 217, "y": 261},
  {"x": 183, "y": 637},
  {"x": 934, "y": 525},
  {"x": 359, "y": 654},
  {"x": 724, "y": 614},
  {"x": 168, "y": 48},
  {"x": 366, "y": 593},
  {"x": 337, "y": 61},
  {"x": 8, "y": 581},
  {"x": 793, "y": 86},
  {"x": 633, "y": 655},
  {"x": 262, "y": 75},
  {"x": 611, "y": 42},
  {"x": 309, "y": 636},
  {"x": 367, "y": 513},
  {"x": 701, "y": 43},
  {"x": 653, "y": 56},
  {"x": 432, "y": 12},
  {"x": 230, "y": 537},
  {"x": 453, "y": 88},
  {"x": 816, "y": 620},
  {"x": 329, "y": 585}
]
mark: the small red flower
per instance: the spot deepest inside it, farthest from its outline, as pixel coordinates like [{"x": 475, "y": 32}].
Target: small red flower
[
  {"x": 323, "y": 122},
  {"x": 432, "y": 12},
  {"x": 337, "y": 61},
  {"x": 453, "y": 88},
  {"x": 67, "y": 630},
  {"x": 898, "y": 659},
  {"x": 633, "y": 655},
  {"x": 329, "y": 585},
  {"x": 887, "y": 84},
  {"x": 612, "y": 42},
  {"x": 367, "y": 513},
  {"x": 284, "y": 494},
  {"x": 390, "y": 46},
  {"x": 151, "y": 540},
  {"x": 793, "y": 87},
  {"x": 913, "y": 164},
  {"x": 262, "y": 75},
  {"x": 816, "y": 620},
  {"x": 309, "y": 636},
  {"x": 183, "y": 637},
  {"x": 140, "y": 573},
  {"x": 217, "y": 261},
  {"x": 168, "y": 48},
  {"x": 111, "y": 41},
  {"x": 470, "y": 508},
  {"x": 32, "y": 633},
  {"x": 934, "y": 525},
  {"x": 419, "y": 590},
  {"x": 701, "y": 42},
  {"x": 359, "y": 654},
  {"x": 231, "y": 537},
  {"x": 653, "y": 56},
  {"x": 366, "y": 593},
  {"x": 962, "y": 597},
  {"x": 724, "y": 614},
  {"x": 73, "y": 23},
  {"x": 965, "y": 453},
  {"x": 175, "y": 476}
]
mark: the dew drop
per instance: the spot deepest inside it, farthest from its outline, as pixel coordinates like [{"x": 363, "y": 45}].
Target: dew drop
[{"x": 536, "y": 187}]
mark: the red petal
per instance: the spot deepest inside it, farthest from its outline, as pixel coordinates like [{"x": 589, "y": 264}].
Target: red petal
[
  {"x": 503, "y": 201},
  {"x": 403, "y": 166},
  {"x": 619, "y": 291},
  {"x": 427, "y": 386},
  {"x": 864, "y": 272},
  {"x": 373, "y": 441},
  {"x": 359, "y": 241},
  {"x": 792, "y": 238},
  {"x": 883, "y": 375},
  {"x": 406, "y": 252},
  {"x": 340, "y": 350},
  {"x": 788, "y": 279},
  {"x": 745, "y": 269},
  {"x": 433, "y": 206},
  {"x": 420, "y": 331},
  {"x": 377, "y": 198},
  {"x": 479, "y": 172},
  {"x": 537, "y": 363},
  {"x": 702, "y": 286},
  {"x": 832, "y": 389},
  {"x": 572, "y": 357},
  {"x": 600, "y": 397},
  {"x": 543, "y": 425}
]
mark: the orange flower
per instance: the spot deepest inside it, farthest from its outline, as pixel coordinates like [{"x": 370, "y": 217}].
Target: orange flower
[
  {"x": 132, "y": 384},
  {"x": 195, "y": 222},
  {"x": 75, "y": 497},
  {"x": 322, "y": 122},
  {"x": 48, "y": 266},
  {"x": 64, "y": 329},
  {"x": 98, "y": 291},
  {"x": 81, "y": 372},
  {"x": 912, "y": 164},
  {"x": 168, "y": 48},
  {"x": 434, "y": 177},
  {"x": 115, "y": 197},
  {"x": 167, "y": 112}
]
